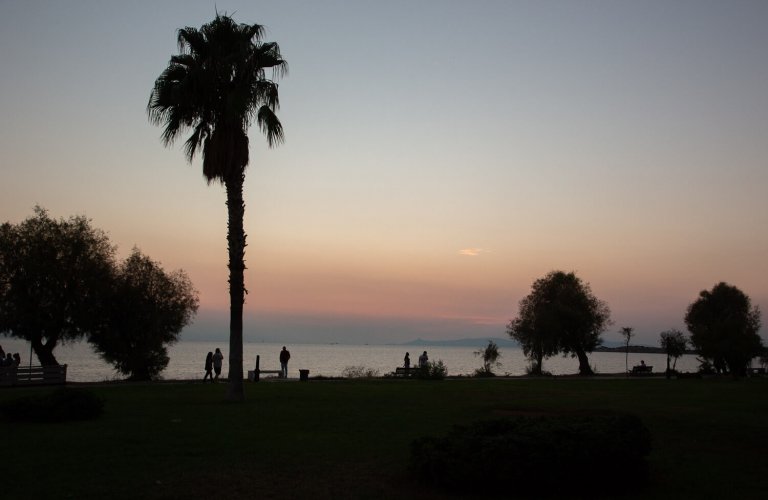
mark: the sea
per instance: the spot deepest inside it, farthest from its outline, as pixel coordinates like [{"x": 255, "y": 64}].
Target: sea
[{"x": 331, "y": 360}]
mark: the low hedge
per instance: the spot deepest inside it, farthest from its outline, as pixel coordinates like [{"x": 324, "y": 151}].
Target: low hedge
[
  {"x": 542, "y": 455},
  {"x": 60, "y": 405}
]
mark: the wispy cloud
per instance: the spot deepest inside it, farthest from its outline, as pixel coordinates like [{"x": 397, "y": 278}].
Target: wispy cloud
[{"x": 472, "y": 252}]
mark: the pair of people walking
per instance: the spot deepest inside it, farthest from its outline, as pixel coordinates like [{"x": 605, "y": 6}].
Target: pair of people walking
[{"x": 213, "y": 361}]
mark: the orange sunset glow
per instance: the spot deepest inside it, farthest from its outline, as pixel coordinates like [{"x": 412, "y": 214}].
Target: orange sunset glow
[{"x": 439, "y": 158}]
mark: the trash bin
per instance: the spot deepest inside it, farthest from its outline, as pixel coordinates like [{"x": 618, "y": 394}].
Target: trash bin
[{"x": 303, "y": 375}]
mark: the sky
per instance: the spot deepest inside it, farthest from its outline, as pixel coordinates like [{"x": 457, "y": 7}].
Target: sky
[{"x": 440, "y": 156}]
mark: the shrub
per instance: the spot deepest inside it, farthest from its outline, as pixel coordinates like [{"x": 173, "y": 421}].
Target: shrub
[
  {"x": 359, "y": 372},
  {"x": 433, "y": 371},
  {"x": 60, "y": 405},
  {"x": 490, "y": 355},
  {"x": 481, "y": 373},
  {"x": 706, "y": 367},
  {"x": 558, "y": 454}
]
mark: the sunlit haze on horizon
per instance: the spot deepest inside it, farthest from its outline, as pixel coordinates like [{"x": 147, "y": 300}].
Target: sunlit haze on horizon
[{"x": 440, "y": 156}]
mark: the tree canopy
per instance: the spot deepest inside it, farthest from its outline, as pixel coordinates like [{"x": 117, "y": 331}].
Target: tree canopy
[
  {"x": 217, "y": 87},
  {"x": 148, "y": 308},
  {"x": 53, "y": 277},
  {"x": 723, "y": 324},
  {"x": 560, "y": 315},
  {"x": 59, "y": 282},
  {"x": 674, "y": 343}
]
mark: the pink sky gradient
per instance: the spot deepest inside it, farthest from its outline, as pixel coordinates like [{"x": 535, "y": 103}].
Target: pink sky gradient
[{"x": 440, "y": 157}]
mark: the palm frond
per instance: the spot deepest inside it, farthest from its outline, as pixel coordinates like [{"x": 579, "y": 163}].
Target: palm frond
[
  {"x": 265, "y": 93},
  {"x": 253, "y": 32},
  {"x": 268, "y": 56},
  {"x": 270, "y": 125},
  {"x": 215, "y": 87},
  {"x": 195, "y": 140},
  {"x": 190, "y": 40}
]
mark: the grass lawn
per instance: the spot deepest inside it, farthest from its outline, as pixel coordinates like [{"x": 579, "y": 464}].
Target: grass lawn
[{"x": 350, "y": 439}]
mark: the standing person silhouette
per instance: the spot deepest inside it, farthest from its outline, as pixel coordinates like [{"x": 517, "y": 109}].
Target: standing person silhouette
[
  {"x": 285, "y": 355},
  {"x": 423, "y": 360},
  {"x": 407, "y": 360},
  {"x": 208, "y": 366},
  {"x": 218, "y": 357}
]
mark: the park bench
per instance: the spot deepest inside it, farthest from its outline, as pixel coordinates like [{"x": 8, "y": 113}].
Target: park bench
[
  {"x": 402, "y": 371},
  {"x": 642, "y": 370},
  {"x": 33, "y": 375},
  {"x": 254, "y": 375},
  {"x": 754, "y": 372}
]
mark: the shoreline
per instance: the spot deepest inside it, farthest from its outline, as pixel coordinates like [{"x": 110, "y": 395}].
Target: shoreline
[{"x": 322, "y": 378}]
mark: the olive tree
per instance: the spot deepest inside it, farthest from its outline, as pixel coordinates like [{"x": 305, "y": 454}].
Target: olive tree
[
  {"x": 148, "y": 309},
  {"x": 724, "y": 325},
  {"x": 560, "y": 315},
  {"x": 674, "y": 343},
  {"x": 53, "y": 277},
  {"x": 59, "y": 282}
]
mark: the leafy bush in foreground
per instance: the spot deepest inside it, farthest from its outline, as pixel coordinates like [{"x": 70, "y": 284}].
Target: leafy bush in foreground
[
  {"x": 537, "y": 455},
  {"x": 359, "y": 372},
  {"x": 482, "y": 373},
  {"x": 60, "y": 405},
  {"x": 433, "y": 371}
]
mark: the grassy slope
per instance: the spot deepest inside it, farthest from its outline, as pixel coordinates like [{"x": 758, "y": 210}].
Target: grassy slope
[{"x": 350, "y": 439}]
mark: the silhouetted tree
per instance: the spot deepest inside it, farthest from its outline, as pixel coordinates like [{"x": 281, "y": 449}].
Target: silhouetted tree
[
  {"x": 148, "y": 308},
  {"x": 724, "y": 325},
  {"x": 560, "y": 315},
  {"x": 538, "y": 342},
  {"x": 764, "y": 357},
  {"x": 674, "y": 343},
  {"x": 217, "y": 87},
  {"x": 490, "y": 355},
  {"x": 627, "y": 332},
  {"x": 53, "y": 277}
]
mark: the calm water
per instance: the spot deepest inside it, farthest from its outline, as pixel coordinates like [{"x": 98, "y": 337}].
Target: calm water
[{"x": 187, "y": 359}]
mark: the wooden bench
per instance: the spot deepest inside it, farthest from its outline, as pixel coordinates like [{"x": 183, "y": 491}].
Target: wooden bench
[
  {"x": 254, "y": 375},
  {"x": 642, "y": 370},
  {"x": 402, "y": 371},
  {"x": 33, "y": 375}
]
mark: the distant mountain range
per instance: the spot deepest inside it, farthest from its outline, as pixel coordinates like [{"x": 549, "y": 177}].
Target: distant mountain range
[
  {"x": 638, "y": 349},
  {"x": 472, "y": 342},
  {"x": 508, "y": 343}
]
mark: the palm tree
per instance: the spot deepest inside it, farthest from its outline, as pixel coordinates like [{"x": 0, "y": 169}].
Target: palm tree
[
  {"x": 627, "y": 332},
  {"x": 216, "y": 87}
]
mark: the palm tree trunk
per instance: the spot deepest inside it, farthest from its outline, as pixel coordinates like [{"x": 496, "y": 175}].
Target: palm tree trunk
[
  {"x": 626, "y": 361},
  {"x": 236, "y": 245}
]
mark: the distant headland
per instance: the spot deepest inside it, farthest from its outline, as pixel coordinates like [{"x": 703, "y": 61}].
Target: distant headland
[{"x": 502, "y": 342}]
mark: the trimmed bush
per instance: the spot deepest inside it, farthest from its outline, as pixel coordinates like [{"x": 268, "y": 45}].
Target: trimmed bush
[
  {"x": 545, "y": 455},
  {"x": 60, "y": 405}
]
